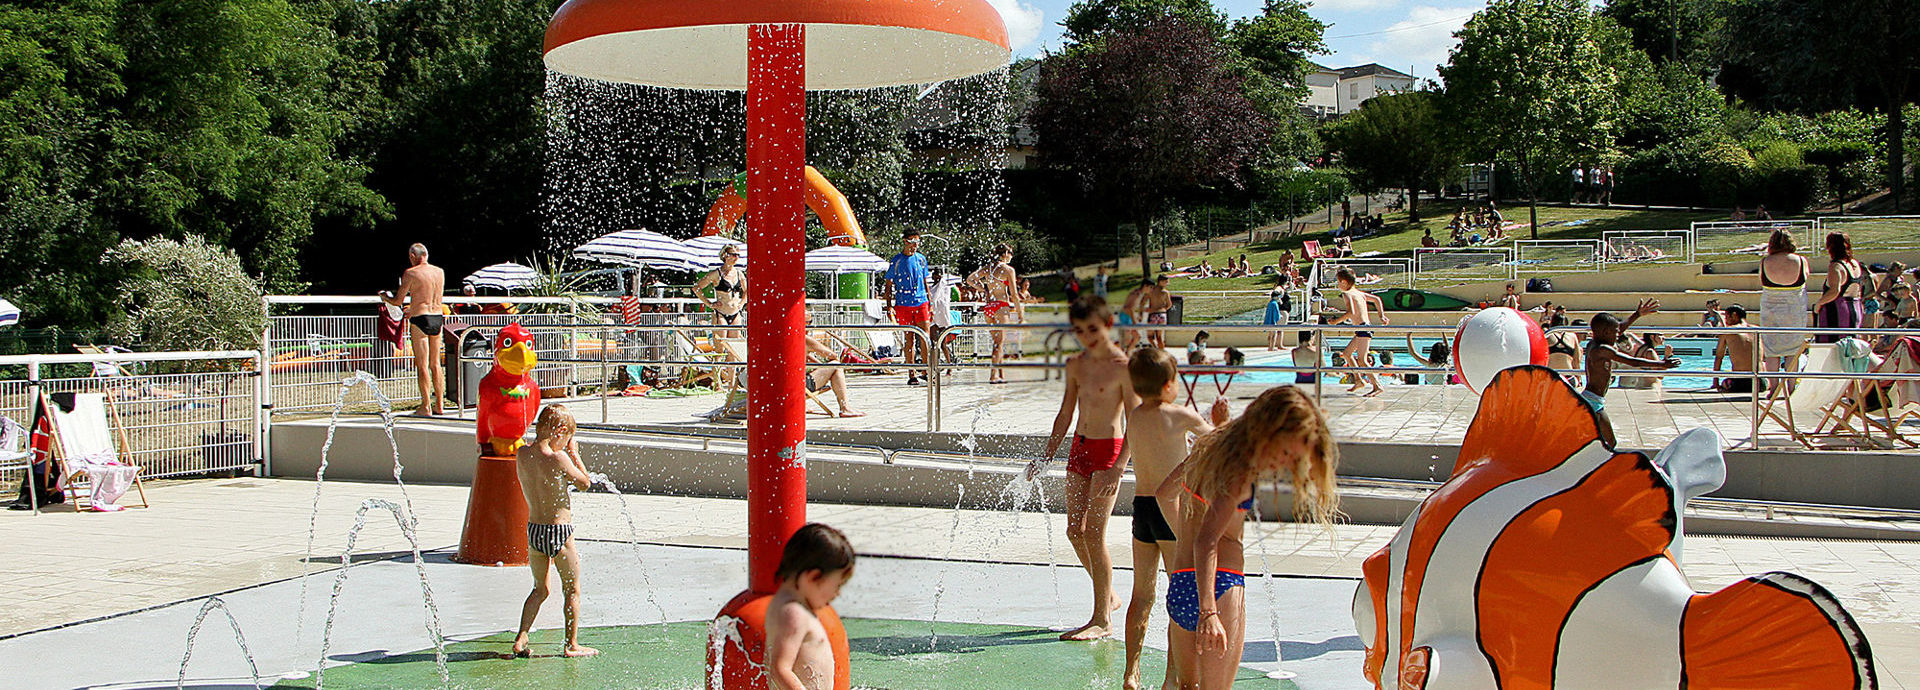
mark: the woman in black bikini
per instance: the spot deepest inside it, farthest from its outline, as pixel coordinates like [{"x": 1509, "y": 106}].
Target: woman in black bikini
[
  {"x": 1783, "y": 300},
  {"x": 1563, "y": 347},
  {"x": 729, "y": 283}
]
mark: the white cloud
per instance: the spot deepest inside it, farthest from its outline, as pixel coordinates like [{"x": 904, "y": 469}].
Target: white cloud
[
  {"x": 1420, "y": 41},
  {"x": 1023, "y": 21}
]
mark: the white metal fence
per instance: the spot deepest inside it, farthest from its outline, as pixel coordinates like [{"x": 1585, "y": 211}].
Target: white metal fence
[
  {"x": 1372, "y": 273},
  {"x": 1876, "y": 232},
  {"x": 184, "y": 413},
  {"x": 1457, "y": 265},
  {"x": 1721, "y": 237},
  {"x": 1532, "y": 257},
  {"x": 1647, "y": 246}
]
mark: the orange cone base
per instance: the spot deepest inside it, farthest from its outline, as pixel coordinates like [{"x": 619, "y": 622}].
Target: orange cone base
[
  {"x": 741, "y": 663},
  {"x": 496, "y": 529}
]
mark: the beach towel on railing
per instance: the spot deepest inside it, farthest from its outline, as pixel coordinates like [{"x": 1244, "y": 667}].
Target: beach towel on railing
[
  {"x": 1856, "y": 356},
  {"x": 86, "y": 445}
]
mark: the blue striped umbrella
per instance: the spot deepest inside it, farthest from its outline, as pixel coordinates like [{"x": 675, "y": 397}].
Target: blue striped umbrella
[
  {"x": 707, "y": 250},
  {"x": 838, "y": 259},
  {"x": 639, "y": 248},
  {"x": 9, "y": 314},
  {"x": 508, "y": 276}
]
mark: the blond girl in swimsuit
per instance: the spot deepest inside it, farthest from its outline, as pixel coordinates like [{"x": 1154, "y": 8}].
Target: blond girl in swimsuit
[{"x": 1281, "y": 434}]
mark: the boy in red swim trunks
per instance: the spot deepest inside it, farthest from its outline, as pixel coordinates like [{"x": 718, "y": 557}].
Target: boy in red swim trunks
[{"x": 1099, "y": 388}]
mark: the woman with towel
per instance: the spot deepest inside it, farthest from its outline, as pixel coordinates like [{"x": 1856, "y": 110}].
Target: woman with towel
[{"x": 1783, "y": 300}]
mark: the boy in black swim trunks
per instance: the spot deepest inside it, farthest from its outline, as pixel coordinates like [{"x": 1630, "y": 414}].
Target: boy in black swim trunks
[
  {"x": 1158, "y": 432},
  {"x": 546, "y": 467}
]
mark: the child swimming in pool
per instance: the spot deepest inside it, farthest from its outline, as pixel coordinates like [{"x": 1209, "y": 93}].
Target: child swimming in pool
[
  {"x": 546, "y": 466},
  {"x": 1281, "y": 433},
  {"x": 1098, "y": 389},
  {"x": 1157, "y": 434},
  {"x": 817, "y": 562}
]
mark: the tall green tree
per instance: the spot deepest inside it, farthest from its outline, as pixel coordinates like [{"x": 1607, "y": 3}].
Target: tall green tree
[
  {"x": 1530, "y": 84},
  {"x": 1396, "y": 140},
  {"x": 1678, "y": 31},
  {"x": 1147, "y": 114},
  {"x": 1087, "y": 21},
  {"x": 1819, "y": 55}
]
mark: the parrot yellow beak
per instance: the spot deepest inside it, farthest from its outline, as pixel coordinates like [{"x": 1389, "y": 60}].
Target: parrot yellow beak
[{"x": 516, "y": 359}]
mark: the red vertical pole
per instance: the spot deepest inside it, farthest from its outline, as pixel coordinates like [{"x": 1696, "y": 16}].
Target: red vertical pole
[{"x": 776, "y": 296}]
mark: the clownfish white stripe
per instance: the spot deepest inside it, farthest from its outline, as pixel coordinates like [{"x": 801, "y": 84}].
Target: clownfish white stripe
[
  {"x": 1396, "y": 577},
  {"x": 1449, "y": 605},
  {"x": 1634, "y": 614}
]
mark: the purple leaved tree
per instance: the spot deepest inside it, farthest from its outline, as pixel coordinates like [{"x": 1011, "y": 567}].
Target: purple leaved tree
[{"x": 1146, "y": 114}]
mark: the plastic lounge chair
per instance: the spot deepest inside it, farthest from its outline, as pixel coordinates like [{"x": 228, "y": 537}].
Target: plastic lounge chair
[{"x": 88, "y": 445}]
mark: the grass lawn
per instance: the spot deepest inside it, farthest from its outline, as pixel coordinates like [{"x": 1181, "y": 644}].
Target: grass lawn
[{"x": 1398, "y": 240}]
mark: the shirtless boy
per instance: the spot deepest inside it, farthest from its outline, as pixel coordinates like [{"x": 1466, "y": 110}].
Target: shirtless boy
[
  {"x": 546, "y": 467},
  {"x": 1155, "y": 302},
  {"x": 1098, "y": 388},
  {"x": 816, "y": 563},
  {"x": 1739, "y": 347},
  {"x": 1602, "y": 355},
  {"x": 1158, "y": 432},
  {"x": 1358, "y": 314},
  {"x": 421, "y": 287}
]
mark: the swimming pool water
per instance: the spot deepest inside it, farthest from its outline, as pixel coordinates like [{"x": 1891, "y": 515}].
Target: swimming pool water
[{"x": 1694, "y": 353}]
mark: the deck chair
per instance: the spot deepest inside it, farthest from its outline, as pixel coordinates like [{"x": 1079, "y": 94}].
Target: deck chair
[
  {"x": 1837, "y": 417},
  {"x": 688, "y": 348},
  {"x": 1803, "y": 394},
  {"x": 1310, "y": 249},
  {"x": 1902, "y": 396},
  {"x": 87, "y": 438}
]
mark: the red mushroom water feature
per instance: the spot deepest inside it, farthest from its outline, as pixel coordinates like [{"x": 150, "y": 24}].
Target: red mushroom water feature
[{"x": 775, "y": 50}]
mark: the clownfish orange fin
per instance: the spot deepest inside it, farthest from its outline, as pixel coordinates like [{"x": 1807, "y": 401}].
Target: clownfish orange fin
[
  {"x": 1530, "y": 420},
  {"x": 1777, "y": 630}
]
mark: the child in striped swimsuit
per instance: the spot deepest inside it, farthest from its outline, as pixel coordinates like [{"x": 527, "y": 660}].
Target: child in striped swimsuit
[{"x": 546, "y": 467}]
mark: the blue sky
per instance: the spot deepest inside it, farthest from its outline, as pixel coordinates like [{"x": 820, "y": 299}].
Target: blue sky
[{"x": 1403, "y": 34}]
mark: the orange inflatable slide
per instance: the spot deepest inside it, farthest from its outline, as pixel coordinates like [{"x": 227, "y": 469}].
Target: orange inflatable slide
[{"x": 835, "y": 214}]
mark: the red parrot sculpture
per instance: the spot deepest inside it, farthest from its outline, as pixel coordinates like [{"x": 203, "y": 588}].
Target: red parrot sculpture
[{"x": 509, "y": 397}]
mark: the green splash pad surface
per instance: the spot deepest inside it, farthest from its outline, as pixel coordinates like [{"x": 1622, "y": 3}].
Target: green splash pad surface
[{"x": 889, "y": 654}]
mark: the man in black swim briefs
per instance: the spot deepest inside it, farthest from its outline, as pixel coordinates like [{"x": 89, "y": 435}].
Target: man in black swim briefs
[{"x": 421, "y": 288}]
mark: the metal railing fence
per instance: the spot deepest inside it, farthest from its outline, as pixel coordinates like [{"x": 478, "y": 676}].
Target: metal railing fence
[
  {"x": 175, "y": 424},
  {"x": 1721, "y": 237}
]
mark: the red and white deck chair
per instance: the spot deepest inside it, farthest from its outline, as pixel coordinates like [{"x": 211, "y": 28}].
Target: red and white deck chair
[
  {"x": 1902, "y": 395},
  {"x": 88, "y": 444}
]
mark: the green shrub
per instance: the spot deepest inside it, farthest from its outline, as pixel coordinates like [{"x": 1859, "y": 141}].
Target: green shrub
[{"x": 185, "y": 295}]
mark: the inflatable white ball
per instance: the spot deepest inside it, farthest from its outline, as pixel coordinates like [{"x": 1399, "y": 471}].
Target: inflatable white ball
[{"x": 1494, "y": 340}]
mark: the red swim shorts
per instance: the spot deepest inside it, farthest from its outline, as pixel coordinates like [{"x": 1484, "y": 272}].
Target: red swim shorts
[
  {"x": 1091, "y": 455},
  {"x": 911, "y": 316}
]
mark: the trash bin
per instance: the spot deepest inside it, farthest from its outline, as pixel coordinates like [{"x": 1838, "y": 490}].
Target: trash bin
[
  {"x": 476, "y": 348},
  {"x": 1178, "y": 314}
]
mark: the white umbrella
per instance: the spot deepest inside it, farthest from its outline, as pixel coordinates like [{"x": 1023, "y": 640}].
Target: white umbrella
[
  {"x": 639, "y": 248},
  {"x": 838, "y": 259},
  {"x": 706, "y": 249},
  {"x": 508, "y": 276},
  {"x": 9, "y": 314}
]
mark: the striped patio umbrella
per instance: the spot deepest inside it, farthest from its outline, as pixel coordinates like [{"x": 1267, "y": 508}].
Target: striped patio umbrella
[
  {"x": 639, "y": 248},
  {"x": 706, "y": 248},
  {"x": 9, "y": 314},
  {"x": 507, "y": 276},
  {"x": 838, "y": 259}
]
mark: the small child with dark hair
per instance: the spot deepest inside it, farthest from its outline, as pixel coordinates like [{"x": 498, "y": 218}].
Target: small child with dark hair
[
  {"x": 1197, "y": 350},
  {"x": 1603, "y": 354},
  {"x": 816, "y": 563}
]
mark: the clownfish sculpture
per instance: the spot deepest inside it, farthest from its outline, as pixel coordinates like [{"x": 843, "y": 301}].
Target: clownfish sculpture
[
  {"x": 1550, "y": 561},
  {"x": 509, "y": 397}
]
